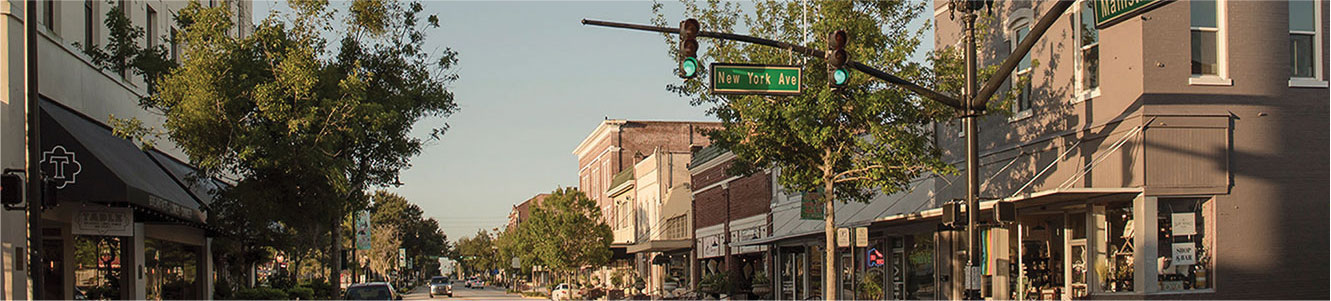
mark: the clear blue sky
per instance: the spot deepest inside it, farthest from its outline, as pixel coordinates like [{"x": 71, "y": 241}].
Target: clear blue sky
[{"x": 534, "y": 83}]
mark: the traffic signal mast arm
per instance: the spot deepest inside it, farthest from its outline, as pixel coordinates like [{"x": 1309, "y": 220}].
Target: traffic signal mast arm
[
  {"x": 926, "y": 92},
  {"x": 1010, "y": 63}
]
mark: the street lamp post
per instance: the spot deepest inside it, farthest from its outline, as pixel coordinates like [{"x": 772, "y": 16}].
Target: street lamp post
[{"x": 973, "y": 108}]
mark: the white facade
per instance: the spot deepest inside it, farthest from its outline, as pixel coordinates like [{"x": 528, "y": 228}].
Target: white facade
[{"x": 68, "y": 77}]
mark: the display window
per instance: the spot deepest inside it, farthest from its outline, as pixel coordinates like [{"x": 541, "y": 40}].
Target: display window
[
  {"x": 97, "y": 268},
  {"x": 1114, "y": 267},
  {"x": 1186, "y": 242}
]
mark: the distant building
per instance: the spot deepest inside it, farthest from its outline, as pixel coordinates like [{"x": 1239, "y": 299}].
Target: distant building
[
  {"x": 616, "y": 145},
  {"x": 522, "y": 211}
]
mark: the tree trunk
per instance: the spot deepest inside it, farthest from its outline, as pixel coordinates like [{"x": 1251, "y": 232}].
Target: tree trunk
[
  {"x": 335, "y": 277},
  {"x": 829, "y": 230}
]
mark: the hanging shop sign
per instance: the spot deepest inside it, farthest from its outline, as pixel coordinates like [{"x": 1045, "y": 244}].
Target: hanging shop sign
[
  {"x": 1108, "y": 12},
  {"x": 1185, "y": 254},
  {"x": 104, "y": 221},
  {"x": 1183, "y": 224},
  {"x": 843, "y": 237},
  {"x": 811, "y": 208},
  {"x": 861, "y": 237}
]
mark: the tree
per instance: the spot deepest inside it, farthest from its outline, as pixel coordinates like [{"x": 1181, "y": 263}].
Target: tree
[
  {"x": 851, "y": 143},
  {"x": 478, "y": 253},
  {"x": 304, "y": 125},
  {"x": 384, "y": 245},
  {"x": 563, "y": 234}
]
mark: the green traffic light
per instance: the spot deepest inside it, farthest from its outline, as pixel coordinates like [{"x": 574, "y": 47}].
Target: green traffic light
[
  {"x": 689, "y": 68},
  {"x": 840, "y": 77}
]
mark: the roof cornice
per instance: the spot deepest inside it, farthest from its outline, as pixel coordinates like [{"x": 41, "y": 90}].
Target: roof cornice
[{"x": 603, "y": 130}]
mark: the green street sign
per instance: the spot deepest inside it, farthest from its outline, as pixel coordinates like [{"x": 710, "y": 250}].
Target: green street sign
[
  {"x": 755, "y": 79},
  {"x": 1108, "y": 12}
]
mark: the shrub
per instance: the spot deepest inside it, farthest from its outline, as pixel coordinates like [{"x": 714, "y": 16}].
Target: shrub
[
  {"x": 261, "y": 293},
  {"x": 301, "y": 292}
]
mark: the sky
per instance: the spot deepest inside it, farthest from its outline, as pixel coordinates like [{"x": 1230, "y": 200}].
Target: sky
[{"x": 534, "y": 82}]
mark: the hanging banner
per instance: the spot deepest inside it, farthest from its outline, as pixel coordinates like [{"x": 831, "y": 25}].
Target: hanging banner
[
  {"x": 1183, "y": 224},
  {"x": 1185, "y": 254},
  {"x": 811, "y": 207},
  {"x": 861, "y": 237},
  {"x": 363, "y": 230}
]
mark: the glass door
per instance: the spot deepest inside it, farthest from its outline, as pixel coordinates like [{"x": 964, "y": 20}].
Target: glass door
[{"x": 1077, "y": 256}]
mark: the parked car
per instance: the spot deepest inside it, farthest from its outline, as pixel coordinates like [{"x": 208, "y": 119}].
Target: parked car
[
  {"x": 441, "y": 286},
  {"x": 476, "y": 284},
  {"x": 563, "y": 291},
  {"x": 372, "y": 291}
]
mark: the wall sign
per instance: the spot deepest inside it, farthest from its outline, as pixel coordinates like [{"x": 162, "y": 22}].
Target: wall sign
[
  {"x": 874, "y": 258},
  {"x": 861, "y": 237},
  {"x": 104, "y": 221},
  {"x": 1182, "y": 224},
  {"x": 843, "y": 237},
  {"x": 1185, "y": 254}
]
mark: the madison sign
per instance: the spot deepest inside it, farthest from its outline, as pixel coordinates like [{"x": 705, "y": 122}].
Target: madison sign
[
  {"x": 755, "y": 79},
  {"x": 1108, "y": 12}
]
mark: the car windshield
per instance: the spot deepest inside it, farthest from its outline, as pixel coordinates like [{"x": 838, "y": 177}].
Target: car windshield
[
  {"x": 438, "y": 280},
  {"x": 369, "y": 292}
]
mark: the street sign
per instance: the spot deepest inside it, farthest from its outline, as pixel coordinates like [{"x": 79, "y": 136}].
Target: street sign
[
  {"x": 755, "y": 79},
  {"x": 363, "y": 230},
  {"x": 1108, "y": 12}
]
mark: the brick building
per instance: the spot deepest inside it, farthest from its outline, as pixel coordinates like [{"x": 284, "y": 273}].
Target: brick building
[
  {"x": 616, "y": 145},
  {"x": 738, "y": 205},
  {"x": 522, "y": 211}
]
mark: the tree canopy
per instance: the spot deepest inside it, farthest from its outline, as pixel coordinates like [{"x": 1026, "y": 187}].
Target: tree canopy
[{"x": 563, "y": 233}]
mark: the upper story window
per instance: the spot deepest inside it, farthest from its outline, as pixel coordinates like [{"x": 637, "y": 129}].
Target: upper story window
[
  {"x": 1089, "y": 43},
  {"x": 1018, "y": 30},
  {"x": 89, "y": 23},
  {"x": 48, "y": 15},
  {"x": 1305, "y": 47},
  {"x": 1208, "y": 42}
]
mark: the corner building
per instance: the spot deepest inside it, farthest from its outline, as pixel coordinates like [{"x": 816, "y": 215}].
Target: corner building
[{"x": 1180, "y": 153}]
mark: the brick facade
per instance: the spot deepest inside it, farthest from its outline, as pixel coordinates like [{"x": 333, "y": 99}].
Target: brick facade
[{"x": 749, "y": 196}]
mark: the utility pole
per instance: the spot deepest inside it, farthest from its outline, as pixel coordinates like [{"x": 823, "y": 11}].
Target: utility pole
[
  {"x": 968, "y": 10},
  {"x": 36, "y": 268}
]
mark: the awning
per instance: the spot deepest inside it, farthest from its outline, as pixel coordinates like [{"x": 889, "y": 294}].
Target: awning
[
  {"x": 769, "y": 239},
  {"x": 90, "y": 164},
  {"x": 660, "y": 246},
  {"x": 1026, "y": 200}
]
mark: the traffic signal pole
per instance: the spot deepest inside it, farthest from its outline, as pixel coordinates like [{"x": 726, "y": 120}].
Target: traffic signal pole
[
  {"x": 972, "y": 107},
  {"x": 36, "y": 268}
]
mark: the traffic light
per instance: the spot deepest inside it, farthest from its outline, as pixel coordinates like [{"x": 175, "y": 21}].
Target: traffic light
[
  {"x": 837, "y": 57},
  {"x": 688, "y": 48},
  {"x": 11, "y": 189}
]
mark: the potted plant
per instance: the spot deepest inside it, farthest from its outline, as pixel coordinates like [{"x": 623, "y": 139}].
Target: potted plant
[
  {"x": 670, "y": 284},
  {"x": 761, "y": 284},
  {"x": 638, "y": 283},
  {"x": 714, "y": 284}
]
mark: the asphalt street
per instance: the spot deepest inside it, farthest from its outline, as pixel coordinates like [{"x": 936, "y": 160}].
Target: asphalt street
[{"x": 463, "y": 293}]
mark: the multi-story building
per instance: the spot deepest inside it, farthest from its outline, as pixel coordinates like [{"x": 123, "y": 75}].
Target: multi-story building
[
  {"x": 522, "y": 211},
  {"x": 119, "y": 206},
  {"x": 616, "y": 145},
  {"x": 737, "y": 205},
  {"x": 1178, "y": 151},
  {"x": 663, "y": 214}
]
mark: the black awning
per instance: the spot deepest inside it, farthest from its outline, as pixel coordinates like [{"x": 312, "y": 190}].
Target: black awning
[{"x": 90, "y": 164}]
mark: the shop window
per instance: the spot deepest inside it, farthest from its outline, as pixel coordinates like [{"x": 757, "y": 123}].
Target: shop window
[
  {"x": 97, "y": 270},
  {"x": 1077, "y": 255},
  {"x": 1114, "y": 268},
  {"x": 920, "y": 268},
  {"x": 171, "y": 270},
  {"x": 1186, "y": 241}
]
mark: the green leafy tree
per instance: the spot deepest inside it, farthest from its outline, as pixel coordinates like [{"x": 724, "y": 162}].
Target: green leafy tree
[
  {"x": 303, "y": 123},
  {"x": 563, "y": 234},
  {"x": 851, "y": 143},
  {"x": 421, "y": 237}
]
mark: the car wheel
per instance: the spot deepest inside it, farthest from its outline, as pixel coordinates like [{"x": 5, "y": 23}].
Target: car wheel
[{"x": 431, "y": 296}]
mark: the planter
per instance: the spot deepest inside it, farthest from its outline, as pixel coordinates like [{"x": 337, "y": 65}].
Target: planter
[
  {"x": 670, "y": 286},
  {"x": 762, "y": 290}
]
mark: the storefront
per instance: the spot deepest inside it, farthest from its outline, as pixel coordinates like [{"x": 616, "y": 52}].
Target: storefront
[{"x": 130, "y": 223}]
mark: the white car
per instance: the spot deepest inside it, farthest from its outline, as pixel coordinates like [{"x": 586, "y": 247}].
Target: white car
[{"x": 563, "y": 291}]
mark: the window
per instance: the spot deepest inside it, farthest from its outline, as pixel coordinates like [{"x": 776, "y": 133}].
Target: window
[
  {"x": 124, "y": 11},
  {"x": 89, "y": 21},
  {"x": 151, "y": 27},
  {"x": 1186, "y": 240},
  {"x": 175, "y": 47},
  {"x": 1208, "y": 42},
  {"x": 1117, "y": 249},
  {"x": 1022, "y": 75},
  {"x": 48, "y": 15},
  {"x": 1305, "y": 45},
  {"x": 1089, "y": 43}
]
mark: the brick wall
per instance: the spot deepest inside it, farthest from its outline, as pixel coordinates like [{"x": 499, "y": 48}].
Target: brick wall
[{"x": 749, "y": 196}]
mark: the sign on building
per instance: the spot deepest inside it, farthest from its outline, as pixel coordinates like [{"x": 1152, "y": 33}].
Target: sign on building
[
  {"x": 103, "y": 221},
  {"x": 1185, "y": 254},
  {"x": 1183, "y": 224},
  {"x": 755, "y": 79},
  {"x": 861, "y": 237},
  {"x": 363, "y": 230},
  {"x": 811, "y": 206},
  {"x": 842, "y": 237}
]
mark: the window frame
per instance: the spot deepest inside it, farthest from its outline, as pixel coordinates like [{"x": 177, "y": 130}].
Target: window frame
[
  {"x": 1083, "y": 93},
  {"x": 1020, "y": 19},
  {"x": 48, "y": 17},
  {"x": 1318, "y": 80},
  {"x": 1221, "y": 78},
  {"x": 90, "y": 21}
]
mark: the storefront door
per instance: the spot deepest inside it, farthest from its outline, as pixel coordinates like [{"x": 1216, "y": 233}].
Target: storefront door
[{"x": 1077, "y": 256}]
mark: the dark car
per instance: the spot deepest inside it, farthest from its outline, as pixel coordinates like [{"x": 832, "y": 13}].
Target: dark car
[{"x": 372, "y": 291}]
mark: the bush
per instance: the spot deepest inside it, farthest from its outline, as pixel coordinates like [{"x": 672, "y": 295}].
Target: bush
[
  {"x": 534, "y": 294},
  {"x": 301, "y": 292},
  {"x": 261, "y": 293},
  {"x": 322, "y": 289}
]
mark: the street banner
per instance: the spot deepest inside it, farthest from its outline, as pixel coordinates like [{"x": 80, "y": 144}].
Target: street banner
[
  {"x": 103, "y": 221},
  {"x": 363, "y": 230},
  {"x": 402, "y": 257}
]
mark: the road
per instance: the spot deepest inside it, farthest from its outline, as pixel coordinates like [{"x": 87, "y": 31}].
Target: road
[{"x": 463, "y": 293}]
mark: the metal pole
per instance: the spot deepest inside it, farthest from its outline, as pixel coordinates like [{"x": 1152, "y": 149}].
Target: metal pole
[
  {"x": 972, "y": 165},
  {"x": 730, "y": 265},
  {"x": 36, "y": 268}
]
